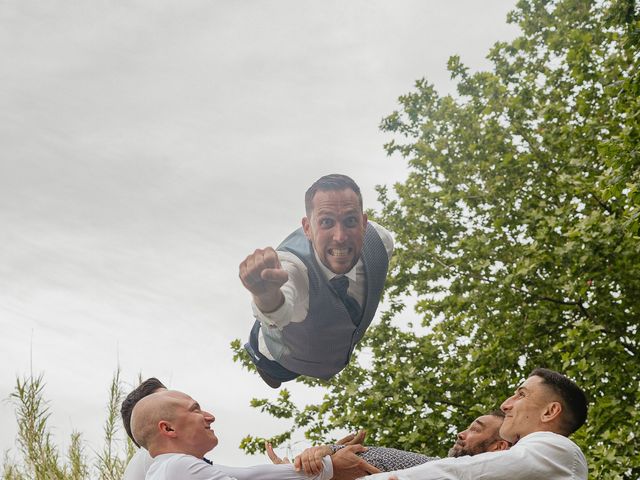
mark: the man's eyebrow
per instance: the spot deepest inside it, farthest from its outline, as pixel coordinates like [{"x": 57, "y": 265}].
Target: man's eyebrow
[
  {"x": 479, "y": 422},
  {"x": 194, "y": 406},
  {"x": 332, "y": 208},
  {"x": 324, "y": 211}
]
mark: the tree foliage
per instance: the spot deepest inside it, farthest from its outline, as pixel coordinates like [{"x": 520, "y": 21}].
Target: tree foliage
[{"x": 517, "y": 231}]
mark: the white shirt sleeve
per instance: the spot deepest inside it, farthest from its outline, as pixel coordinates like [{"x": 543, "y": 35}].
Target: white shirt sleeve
[
  {"x": 188, "y": 467},
  {"x": 138, "y": 465},
  {"x": 296, "y": 295},
  {"x": 537, "y": 456},
  {"x": 276, "y": 472}
]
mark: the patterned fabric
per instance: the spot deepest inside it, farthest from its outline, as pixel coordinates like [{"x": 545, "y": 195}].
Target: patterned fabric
[{"x": 390, "y": 459}]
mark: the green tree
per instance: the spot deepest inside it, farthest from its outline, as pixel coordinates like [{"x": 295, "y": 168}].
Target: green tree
[{"x": 517, "y": 231}]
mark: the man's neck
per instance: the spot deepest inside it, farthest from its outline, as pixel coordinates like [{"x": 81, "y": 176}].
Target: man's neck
[{"x": 542, "y": 429}]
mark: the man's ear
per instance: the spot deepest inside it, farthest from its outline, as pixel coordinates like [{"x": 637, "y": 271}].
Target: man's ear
[
  {"x": 499, "y": 445},
  {"x": 306, "y": 227},
  {"x": 365, "y": 219},
  {"x": 166, "y": 429},
  {"x": 552, "y": 412}
]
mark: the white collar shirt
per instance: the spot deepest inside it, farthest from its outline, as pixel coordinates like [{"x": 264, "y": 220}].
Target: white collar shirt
[{"x": 539, "y": 455}]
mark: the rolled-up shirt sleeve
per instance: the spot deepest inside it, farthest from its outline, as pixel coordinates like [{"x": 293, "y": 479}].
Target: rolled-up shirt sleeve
[{"x": 296, "y": 295}]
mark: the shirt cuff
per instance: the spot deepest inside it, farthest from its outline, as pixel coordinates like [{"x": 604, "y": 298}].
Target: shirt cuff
[
  {"x": 278, "y": 318},
  {"x": 327, "y": 471}
]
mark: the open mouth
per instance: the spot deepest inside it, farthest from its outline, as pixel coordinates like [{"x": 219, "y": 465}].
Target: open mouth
[{"x": 339, "y": 252}]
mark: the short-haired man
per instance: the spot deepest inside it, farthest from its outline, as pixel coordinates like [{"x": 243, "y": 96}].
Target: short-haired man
[
  {"x": 141, "y": 460},
  {"x": 149, "y": 386},
  {"x": 177, "y": 433},
  {"x": 545, "y": 409},
  {"x": 483, "y": 435},
  {"x": 316, "y": 294}
]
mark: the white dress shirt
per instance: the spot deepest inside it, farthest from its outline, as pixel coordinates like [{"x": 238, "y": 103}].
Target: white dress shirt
[
  {"x": 538, "y": 456},
  {"x": 138, "y": 465},
  {"x": 178, "y": 466},
  {"x": 296, "y": 289}
]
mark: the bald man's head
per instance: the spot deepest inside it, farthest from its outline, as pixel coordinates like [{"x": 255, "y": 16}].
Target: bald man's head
[
  {"x": 146, "y": 415},
  {"x": 172, "y": 422}
]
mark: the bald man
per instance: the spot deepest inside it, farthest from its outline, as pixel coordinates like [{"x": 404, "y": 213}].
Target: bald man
[{"x": 177, "y": 433}]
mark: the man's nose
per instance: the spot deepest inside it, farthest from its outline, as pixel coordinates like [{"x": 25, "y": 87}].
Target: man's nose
[
  {"x": 462, "y": 435},
  {"x": 507, "y": 404},
  {"x": 339, "y": 233},
  {"x": 209, "y": 417}
]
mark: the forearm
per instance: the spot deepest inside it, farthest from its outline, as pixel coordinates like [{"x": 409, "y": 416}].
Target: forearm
[{"x": 269, "y": 302}]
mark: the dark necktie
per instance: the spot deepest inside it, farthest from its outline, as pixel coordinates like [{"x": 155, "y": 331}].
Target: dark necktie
[{"x": 341, "y": 285}]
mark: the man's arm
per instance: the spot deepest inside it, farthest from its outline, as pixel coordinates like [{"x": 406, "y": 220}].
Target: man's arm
[
  {"x": 544, "y": 455},
  {"x": 284, "y": 471},
  {"x": 384, "y": 459},
  {"x": 347, "y": 465},
  {"x": 295, "y": 292}
]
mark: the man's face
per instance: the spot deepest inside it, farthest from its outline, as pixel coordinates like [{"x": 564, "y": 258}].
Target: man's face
[
  {"x": 193, "y": 426},
  {"x": 336, "y": 228},
  {"x": 480, "y": 437},
  {"x": 523, "y": 410}
]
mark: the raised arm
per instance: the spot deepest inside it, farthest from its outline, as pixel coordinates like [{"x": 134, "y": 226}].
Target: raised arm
[{"x": 262, "y": 274}]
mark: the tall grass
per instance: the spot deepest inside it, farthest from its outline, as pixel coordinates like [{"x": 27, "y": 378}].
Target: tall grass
[{"x": 38, "y": 455}]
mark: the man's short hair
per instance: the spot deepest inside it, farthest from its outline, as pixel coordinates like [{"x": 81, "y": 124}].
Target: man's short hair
[
  {"x": 146, "y": 388},
  {"x": 334, "y": 181},
  {"x": 501, "y": 415},
  {"x": 572, "y": 398}
]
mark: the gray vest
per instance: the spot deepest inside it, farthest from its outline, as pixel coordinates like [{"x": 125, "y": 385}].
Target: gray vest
[{"x": 321, "y": 345}]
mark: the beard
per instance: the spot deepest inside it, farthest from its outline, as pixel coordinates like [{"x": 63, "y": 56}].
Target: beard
[{"x": 460, "y": 451}]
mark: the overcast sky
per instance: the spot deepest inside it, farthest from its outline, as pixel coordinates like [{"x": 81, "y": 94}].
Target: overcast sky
[{"x": 148, "y": 146}]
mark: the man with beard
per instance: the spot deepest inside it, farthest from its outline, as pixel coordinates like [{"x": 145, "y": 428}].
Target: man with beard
[
  {"x": 539, "y": 417},
  {"x": 481, "y": 436}
]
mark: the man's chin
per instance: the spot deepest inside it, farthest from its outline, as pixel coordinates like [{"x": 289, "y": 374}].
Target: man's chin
[
  {"x": 339, "y": 267},
  {"x": 456, "y": 452}
]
